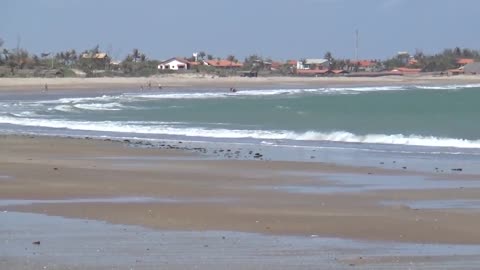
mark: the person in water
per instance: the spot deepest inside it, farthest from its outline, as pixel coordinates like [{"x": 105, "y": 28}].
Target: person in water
[{"x": 233, "y": 90}]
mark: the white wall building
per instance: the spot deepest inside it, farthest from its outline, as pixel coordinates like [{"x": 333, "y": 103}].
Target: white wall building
[
  {"x": 174, "y": 64},
  {"x": 310, "y": 63}
]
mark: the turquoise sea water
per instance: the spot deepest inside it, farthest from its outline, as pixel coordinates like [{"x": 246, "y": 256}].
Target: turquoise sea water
[
  {"x": 410, "y": 120},
  {"x": 423, "y": 116}
]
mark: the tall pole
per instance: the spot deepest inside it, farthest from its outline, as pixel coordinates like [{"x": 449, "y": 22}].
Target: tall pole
[{"x": 356, "y": 45}]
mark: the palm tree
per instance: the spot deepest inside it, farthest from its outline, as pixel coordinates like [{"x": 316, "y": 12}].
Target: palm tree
[
  {"x": 328, "y": 56},
  {"x": 1, "y": 44},
  {"x": 231, "y": 58},
  {"x": 67, "y": 57},
  {"x": 22, "y": 58},
  {"x": 6, "y": 54},
  {"x": 457, "y": 51},
  {"x": 135, "y": 55},
  {"x": 73, "y": 55}
]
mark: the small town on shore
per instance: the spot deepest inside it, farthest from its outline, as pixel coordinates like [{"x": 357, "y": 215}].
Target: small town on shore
[{"x": 94, "y": 62}]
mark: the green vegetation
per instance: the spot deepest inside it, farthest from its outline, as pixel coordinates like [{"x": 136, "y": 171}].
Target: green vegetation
[
  {"x": 18, "y": 62},
  {"x": 434, "y": 63}
]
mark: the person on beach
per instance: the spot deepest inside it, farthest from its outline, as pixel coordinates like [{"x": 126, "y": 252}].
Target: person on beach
[
  {"x": 159, "y": 86},
  {"x": 233, "y": 90},
  {"x": 149, "y": 85},
  {"x": 45, "y": 88}
]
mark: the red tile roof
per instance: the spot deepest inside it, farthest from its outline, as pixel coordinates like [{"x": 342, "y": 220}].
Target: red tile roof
[
  {"x": 465, "y": 61},
  {"x": 223, "y": 63},
  {"x": 339, "y": 71},
  {"x": 276, "y": 65},
  {"x": 364, "y": 63},
  {"x": 457, "y": 70}
]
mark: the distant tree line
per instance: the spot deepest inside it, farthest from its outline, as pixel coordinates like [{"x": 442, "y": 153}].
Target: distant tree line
[{"x": 17, "y": 61}]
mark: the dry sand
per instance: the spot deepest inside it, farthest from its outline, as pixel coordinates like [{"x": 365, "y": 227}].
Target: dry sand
[
  {"x": 216, "y": 195},
  {"x": 207, "y": 81}
]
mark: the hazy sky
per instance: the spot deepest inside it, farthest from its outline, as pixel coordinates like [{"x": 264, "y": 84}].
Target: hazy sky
[{"x": 281, "y": 29}]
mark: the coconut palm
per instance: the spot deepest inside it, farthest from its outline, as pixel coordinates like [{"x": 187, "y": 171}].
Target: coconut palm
[
  {"x": 135, "y": 55},
  {"x": 232, "y": 58}
]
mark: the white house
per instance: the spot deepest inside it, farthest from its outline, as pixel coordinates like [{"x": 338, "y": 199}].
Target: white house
[
  {"x": 174, "y": 64},
  {"x": 313, "y": 64}
]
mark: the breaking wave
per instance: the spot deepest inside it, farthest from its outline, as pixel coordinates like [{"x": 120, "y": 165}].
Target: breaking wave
[
  {"x": 133, "y": 97},
  {"x": 114, "y": 106},
  {"x": 163, "y": 128}
]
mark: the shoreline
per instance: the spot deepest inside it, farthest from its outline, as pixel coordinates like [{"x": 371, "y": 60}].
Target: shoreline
[
  {"x": 244, "y": 195},
  {"x": 182, "y": 82}
]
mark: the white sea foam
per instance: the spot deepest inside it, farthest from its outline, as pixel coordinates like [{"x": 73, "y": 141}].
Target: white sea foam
[
  {"x": 171, "y": 129},
  {"x": 104, "y": 98},
  {"x": 114, "y": 106},
  {"x": 63, "y": 108},
  {"x": 24, "y": 114},
  {"x": 132, "y": 97},
  {"x": 447, "y": 87}
]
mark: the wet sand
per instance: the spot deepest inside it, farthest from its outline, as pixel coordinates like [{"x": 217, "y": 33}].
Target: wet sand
[
  {"x": 87, "y": 244},
  {"x": 205, "y": 81},
  {"x": 176, "y": 191}
]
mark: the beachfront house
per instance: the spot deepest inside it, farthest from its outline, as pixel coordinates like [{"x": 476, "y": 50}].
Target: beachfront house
[
  {"x": 461, "y": 62},
  {"x": 364, "y": 66},
  {"x": 174, "y": 64},
  {"x": 223, "y": 64},
  {"x": 313, "y": 64},
  {"x": 96, "y": 60}
]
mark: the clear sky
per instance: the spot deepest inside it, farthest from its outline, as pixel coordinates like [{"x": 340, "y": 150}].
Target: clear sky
[{"x": 281, "y": 29}]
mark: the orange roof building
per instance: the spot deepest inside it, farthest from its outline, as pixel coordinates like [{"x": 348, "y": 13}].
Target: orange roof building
[
  {"x": 464, "y": 61},
  {"x": 223, "y": 64},
  {"x": 364, "y": 63}
]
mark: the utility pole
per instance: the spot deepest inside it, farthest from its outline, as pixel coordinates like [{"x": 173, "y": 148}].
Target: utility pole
[{"x": 356, "y": 45}]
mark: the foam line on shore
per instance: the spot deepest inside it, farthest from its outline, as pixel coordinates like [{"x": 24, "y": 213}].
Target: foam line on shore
[{"x": 170, "y": 129}]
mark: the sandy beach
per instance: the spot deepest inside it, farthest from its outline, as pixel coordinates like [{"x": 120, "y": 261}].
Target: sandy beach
[
  {"x": 213, "y": 82},
  {"x": 325, "y": 208},
  {"x": 170, "y": 190}
]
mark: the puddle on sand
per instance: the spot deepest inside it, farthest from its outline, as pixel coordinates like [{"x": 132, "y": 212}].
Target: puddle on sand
[
  {"x": 438, "y": 204},
  {"x": 113, "y": 200},
  {"x": 338, "y": 183},
  {"x": 85, "y": 244}
]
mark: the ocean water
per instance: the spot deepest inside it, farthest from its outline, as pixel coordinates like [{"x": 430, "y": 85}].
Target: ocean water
[{"x": 418, "y": 120}]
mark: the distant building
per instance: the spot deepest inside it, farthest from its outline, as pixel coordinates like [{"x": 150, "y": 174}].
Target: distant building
[
  {"x": 291, "y": 63},
  {"x": 311, "y": 64},
  {"x": 363, "y": 65},
  {"x": 454, "y": 72},
  {"x": 412, "y": 61},
  {"x": 174, "y": 64},
  {"x": 224, "y": 64},
  {"x": 464, "y": 61},
  {"x": 99, "y": 59},
  {"x": 313, "y": 72},
  {"x": 403, "y": 57},
  {"x": 100, "y": 56},
  {"x": 472, "y": 68},
  {"x": 407, "y": 71}
]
